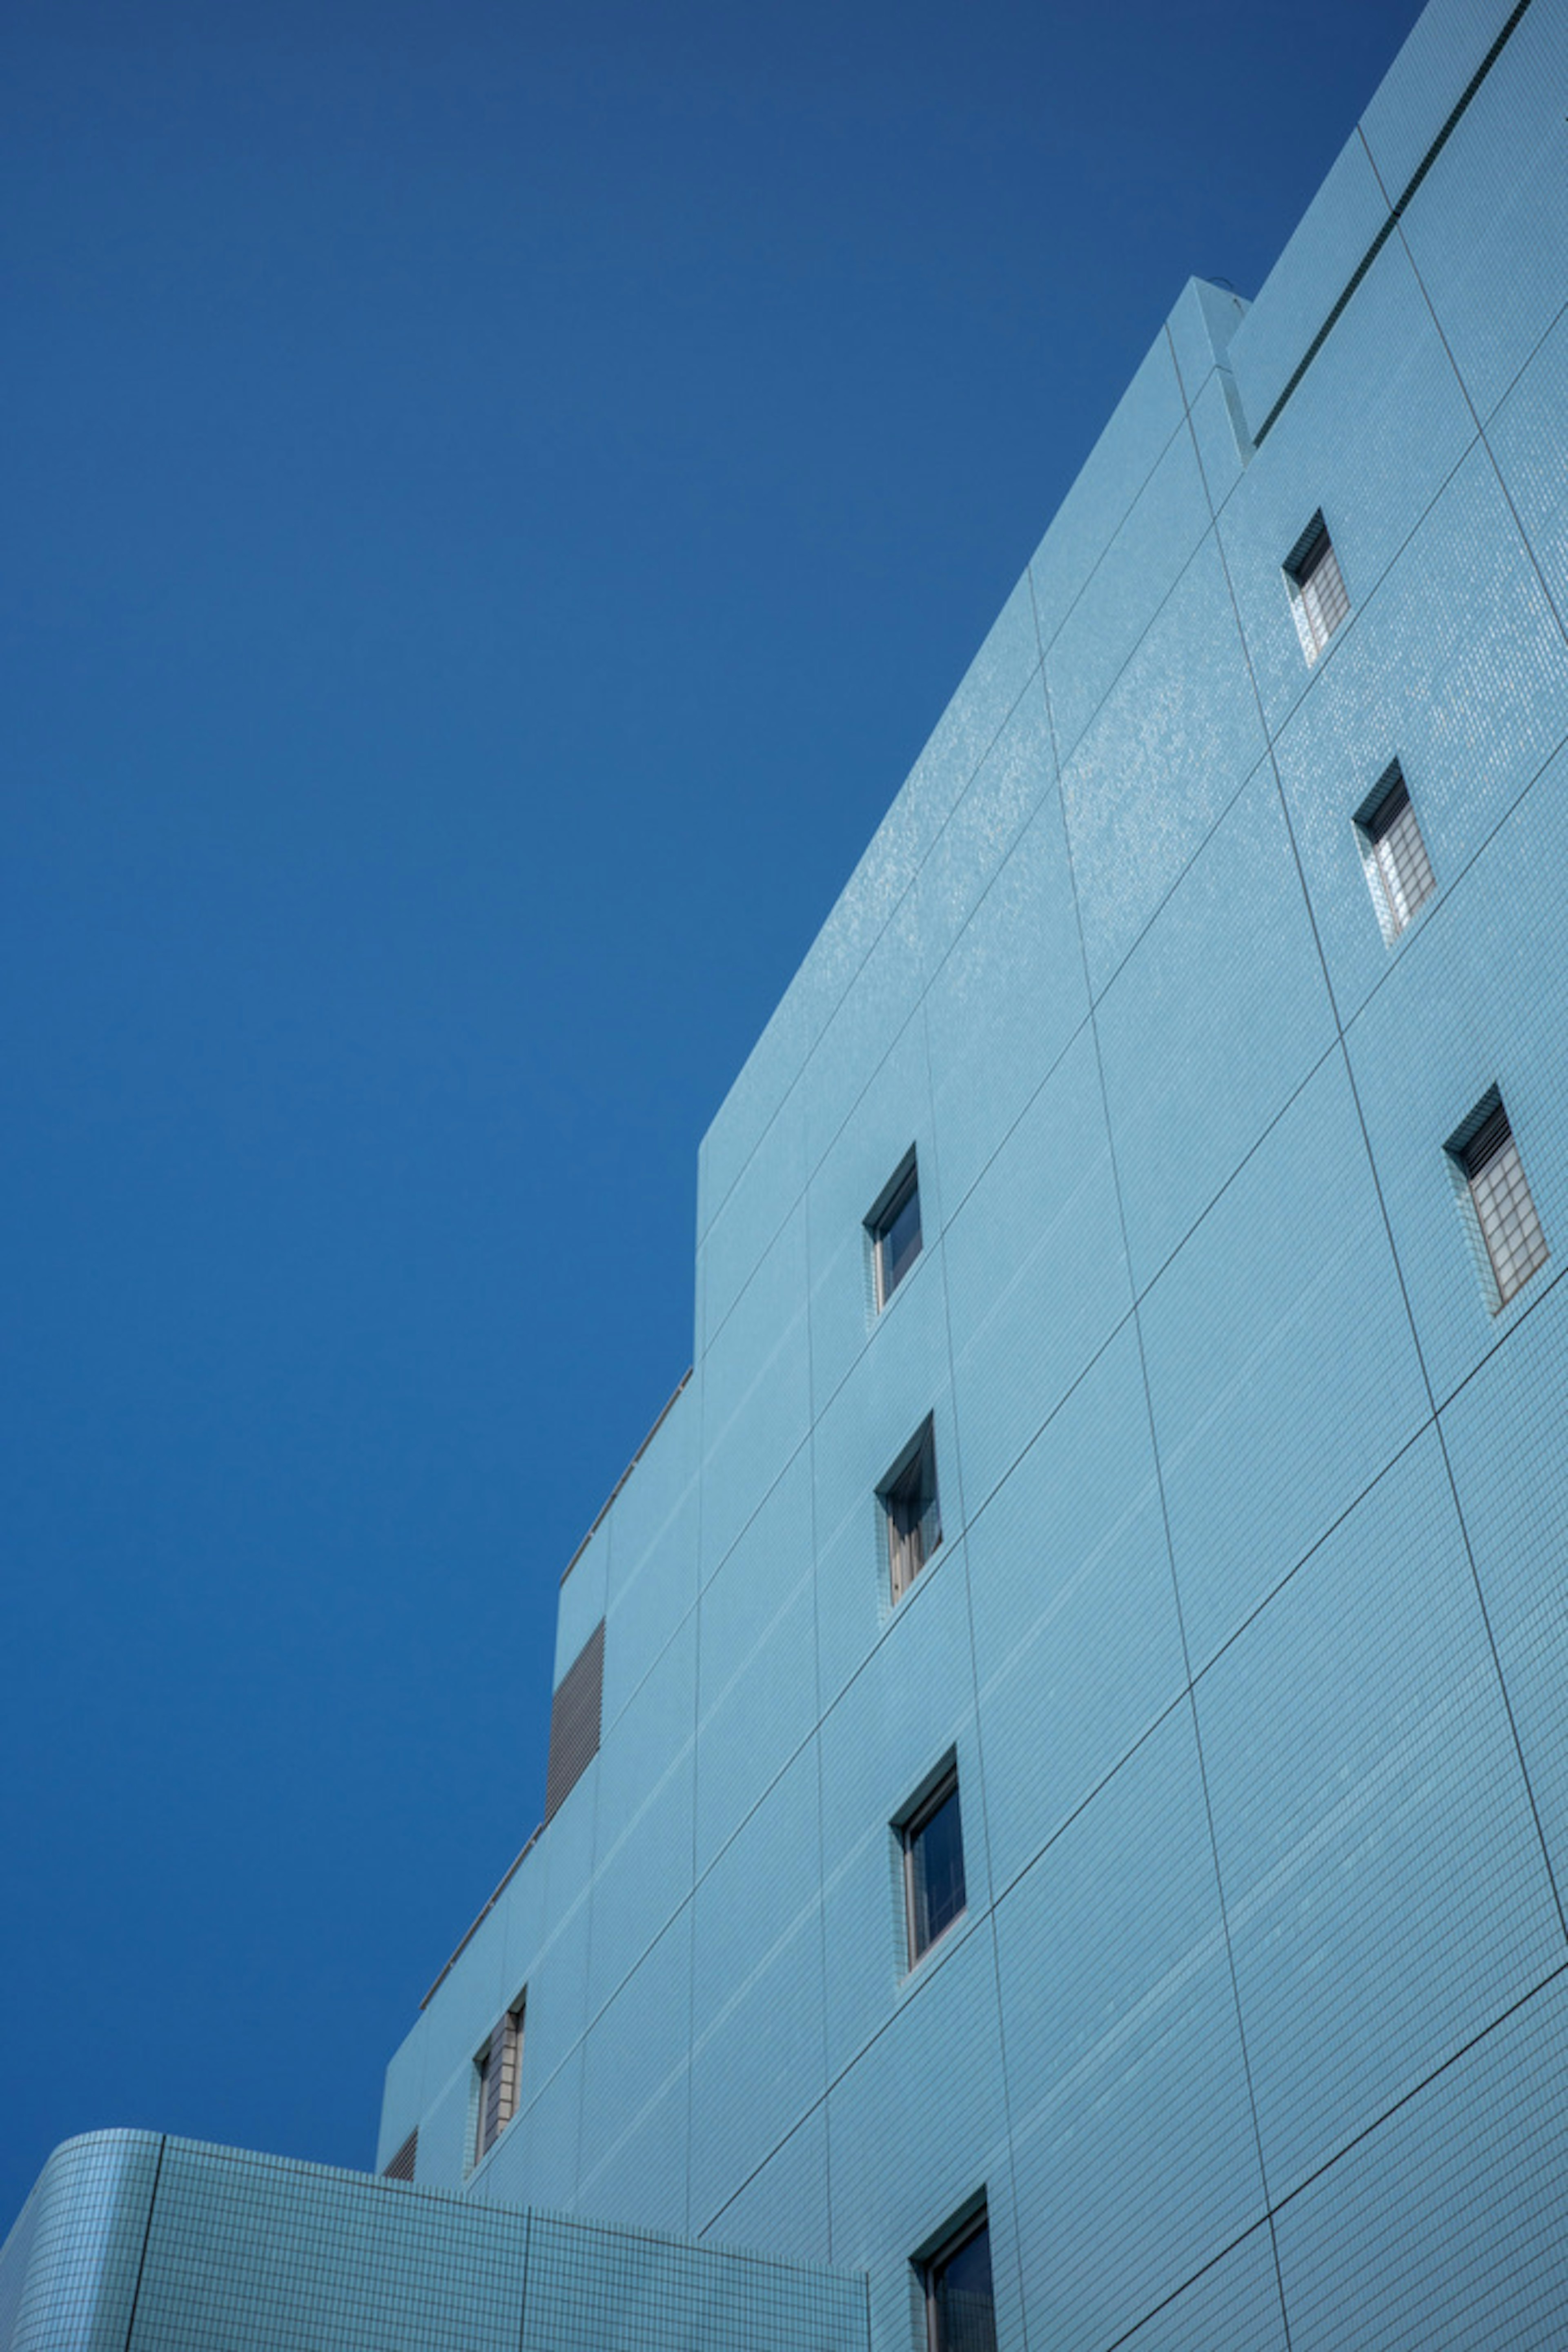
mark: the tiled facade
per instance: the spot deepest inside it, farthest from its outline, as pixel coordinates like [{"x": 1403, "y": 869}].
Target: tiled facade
[{"x": 1247, "y": 1628}]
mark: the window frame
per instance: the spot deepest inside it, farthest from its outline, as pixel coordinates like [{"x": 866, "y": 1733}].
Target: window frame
[
  {"x": 936, "y": 1791},
  {"x": 1392, "y": 888},
  {"x": 933, "y": 2261},
  {"x": 1485, "y": 1139},
  {"x": 905, "y": 1537},
  {"x": 902, "y": 1186},
  {"x": 503, "y": 2043},
  {"x": 1307, "y": 559}
]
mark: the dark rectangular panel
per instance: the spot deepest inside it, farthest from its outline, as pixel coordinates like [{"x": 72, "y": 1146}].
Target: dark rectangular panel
[{"x": 575, "y": 1721}]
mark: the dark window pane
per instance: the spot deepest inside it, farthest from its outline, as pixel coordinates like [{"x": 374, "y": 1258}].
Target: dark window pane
[
  {"x": 914, "y": 1516},
  {"x": 900, "y": 1241},
  {"x": 964, "y": 2310},
  {"x": 936, "y": 1863}
]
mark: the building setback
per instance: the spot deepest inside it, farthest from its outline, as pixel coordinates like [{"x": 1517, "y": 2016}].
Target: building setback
[{"x": 1058, "y": 1803}]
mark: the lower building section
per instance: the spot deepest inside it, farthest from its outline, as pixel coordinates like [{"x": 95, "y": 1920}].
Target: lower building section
[{"x": 138, "y": 2239}]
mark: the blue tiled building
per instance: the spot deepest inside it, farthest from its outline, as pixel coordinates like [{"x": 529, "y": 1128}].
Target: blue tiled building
[{"x": 1058, "y": 1812}]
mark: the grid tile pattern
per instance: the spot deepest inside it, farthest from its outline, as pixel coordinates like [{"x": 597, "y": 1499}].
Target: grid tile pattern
[{"x": 1246, "y": 1628}]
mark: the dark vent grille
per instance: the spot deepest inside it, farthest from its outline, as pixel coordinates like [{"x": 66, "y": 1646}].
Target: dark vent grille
[
  {"x": 575, "y": 1721},
  {"x": 402, "y": 2165}
]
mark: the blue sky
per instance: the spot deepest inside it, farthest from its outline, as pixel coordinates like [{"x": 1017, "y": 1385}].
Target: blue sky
[{"x": 499, "y": 496}]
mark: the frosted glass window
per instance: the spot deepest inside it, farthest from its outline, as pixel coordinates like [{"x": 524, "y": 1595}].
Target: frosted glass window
[
  {"x": 1398, "y": 871},
  {"x": 1509, "y": 1226},
  {"x": 1319, "y": 597}
]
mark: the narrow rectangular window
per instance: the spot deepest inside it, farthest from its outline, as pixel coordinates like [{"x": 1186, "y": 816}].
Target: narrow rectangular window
[
  {"x": 894, "y": 1225},
  {"x": 500, "y": 2069},
  {"x": 1398, "y": 871},
  {"x": 913, "y": 1513},
  {"x": 1486, "y": 1152},
  {"x": 932, "y": 1841},
  {"x": 1319, "y": 597},
  {"x": 960, "y": 2308}
]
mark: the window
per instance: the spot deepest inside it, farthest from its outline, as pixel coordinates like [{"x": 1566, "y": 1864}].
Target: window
[
  {"x": 894, "y": 1225},
  {"x": 1487, "y": 1157},
  {"x": 403, "y": 2163},
  {"x": 961, "y": 2309},
  {"x": 1398, "y": 871},
  {"x": 498, "y": 2067},
  {"x": 909, "y": 1499},
  {"x": 1319, "y": 597},
  {"x": 932, "y": 1836}
]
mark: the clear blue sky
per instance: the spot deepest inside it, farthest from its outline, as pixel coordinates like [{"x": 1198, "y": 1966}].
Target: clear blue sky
[{"x": 498, "y": 496}]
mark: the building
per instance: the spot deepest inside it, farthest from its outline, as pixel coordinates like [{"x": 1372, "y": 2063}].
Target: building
[{"x": 1057, "y": 1804}]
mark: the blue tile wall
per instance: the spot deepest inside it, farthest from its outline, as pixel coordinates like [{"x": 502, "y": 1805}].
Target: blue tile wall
[
  {"x": 1382, "y": 1875},
  {"x": 1004, "y": 1005},
  {"x": 1201, "y": 327},
  {"x": 1009, "y": 785},
  {"x": 1503, "y": 1432},
  {"x": 1268, "y": 1425},
  {"x": 1426, "y": 81},
  {"x": 1488, "y": 225},
  {"x": 197, "y": 2249},
  {"x": 1450, "y": 2223},
  {"x": 1454, "y": 1018},
  {"x": 1376, "y": 428},
  {"x": 1078, "y": 1646},
  {"x": 1036, "y": 1271},
  {"x": 1169, "y": 752},
  {"x": 860, "y": 1434},
  {"x": 1220, "y": 431},
  {"x": 70, "y": 2265},
  {"x": 893, "y": 1113},
  {"x": 1416, "y": 680},
  {"x": 1525, "y": 439},
  {"x": 909, "y": 1705},
  {"x": 938, "y": 2057},
  {"x": 757, "y": 1695},
  {"x": 884, "y": 993},
  {"x": 1235, "y": 1052},
  {"x": 757, "y": 1392},
  {"x": 643, "y": 1835},
  {"x": 782, "y": 2207},
  {"x": 759, "y": 2002},
  {"x": 1138, "y": 570},
  {"x": 636, "y": 2094},
  {"x": 1235, "y": 2302},
  {"x": 1145, "y": 418},
  {"x": 1127, "y": 2093},
  {"x": 1307, "y": 280}
]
